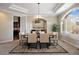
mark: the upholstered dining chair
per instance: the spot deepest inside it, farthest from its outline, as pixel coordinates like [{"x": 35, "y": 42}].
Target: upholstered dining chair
[
  {"x": 44, "y": 40},
  {"x": 32, "y": 40},
  {"x": 53, "y": 37},
  {"x": 23, "y": 39}
]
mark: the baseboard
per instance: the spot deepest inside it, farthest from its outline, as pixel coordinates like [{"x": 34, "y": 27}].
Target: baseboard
[{"x": 5, "y": 41}]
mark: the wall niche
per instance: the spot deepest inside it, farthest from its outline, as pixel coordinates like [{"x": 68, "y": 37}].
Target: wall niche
[{"x": 39, "y": 24}]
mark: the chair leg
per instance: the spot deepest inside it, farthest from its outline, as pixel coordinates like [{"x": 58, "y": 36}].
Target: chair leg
[
  {"x": 36, "y": 45},
  {"x": 28, "y": 46},
  {"x": 40, "y": 46},
  {"x": 47, "y": 45}
]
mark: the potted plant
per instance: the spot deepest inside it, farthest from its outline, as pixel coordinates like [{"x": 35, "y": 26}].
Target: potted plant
[{"x": 55, "y": 28}]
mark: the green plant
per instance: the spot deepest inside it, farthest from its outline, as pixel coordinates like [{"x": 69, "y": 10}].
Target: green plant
[{"x": 55, "y": 28}]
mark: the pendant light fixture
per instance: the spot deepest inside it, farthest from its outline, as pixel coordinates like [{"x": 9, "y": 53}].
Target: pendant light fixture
[
  {"x": 38, "y": 20},
  {"x": 38, "y": 9}
]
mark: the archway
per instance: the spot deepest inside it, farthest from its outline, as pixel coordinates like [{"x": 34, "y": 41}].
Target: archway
[{"x": 68, "y": 17}]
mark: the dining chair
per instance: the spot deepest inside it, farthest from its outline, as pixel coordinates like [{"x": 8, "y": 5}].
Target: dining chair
[
  {"x": 23, "y": 39},
  {"x": 44, "y": 40},
  {"x": 32, "y": 40}
]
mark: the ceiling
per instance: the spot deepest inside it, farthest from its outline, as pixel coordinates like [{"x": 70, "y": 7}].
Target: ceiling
[
  {"x": 44, "y": 8},
  {"x": 31, "y": 8}
]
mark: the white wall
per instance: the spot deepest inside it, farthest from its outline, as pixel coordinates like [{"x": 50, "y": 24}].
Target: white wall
[
  {"x": 6, "y": 27},
  {"x": 23, "y": 24},
  {"x": 50, "y": 21},
  {"x": 29, "y": 23}
]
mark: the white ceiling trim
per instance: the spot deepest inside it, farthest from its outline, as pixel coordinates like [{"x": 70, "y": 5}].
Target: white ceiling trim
[
  {"x": 13, "y": 12},
  {"x": 26, "y": 10},
  {"x": 18, "y": 8},
  {"x": 57, "y": 6},
  {"x": 63, "y": 8}
]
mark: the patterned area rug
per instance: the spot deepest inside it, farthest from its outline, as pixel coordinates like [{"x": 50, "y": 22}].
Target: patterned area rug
[{"x": 52, "y": 49}]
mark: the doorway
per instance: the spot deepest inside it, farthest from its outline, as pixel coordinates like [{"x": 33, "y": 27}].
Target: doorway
[{"x": 16, "y": 27}]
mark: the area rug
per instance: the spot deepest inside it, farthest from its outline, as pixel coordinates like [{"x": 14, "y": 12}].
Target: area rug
[{"x": 52, "y": 49}]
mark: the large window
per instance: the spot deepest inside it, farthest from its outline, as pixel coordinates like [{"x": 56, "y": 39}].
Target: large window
[{"x": 71, "y": 22}]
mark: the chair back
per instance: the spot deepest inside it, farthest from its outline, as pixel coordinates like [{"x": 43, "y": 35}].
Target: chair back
[
  {"x": 44, "y": 38},
  {"x": 32, "y": 38}
]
